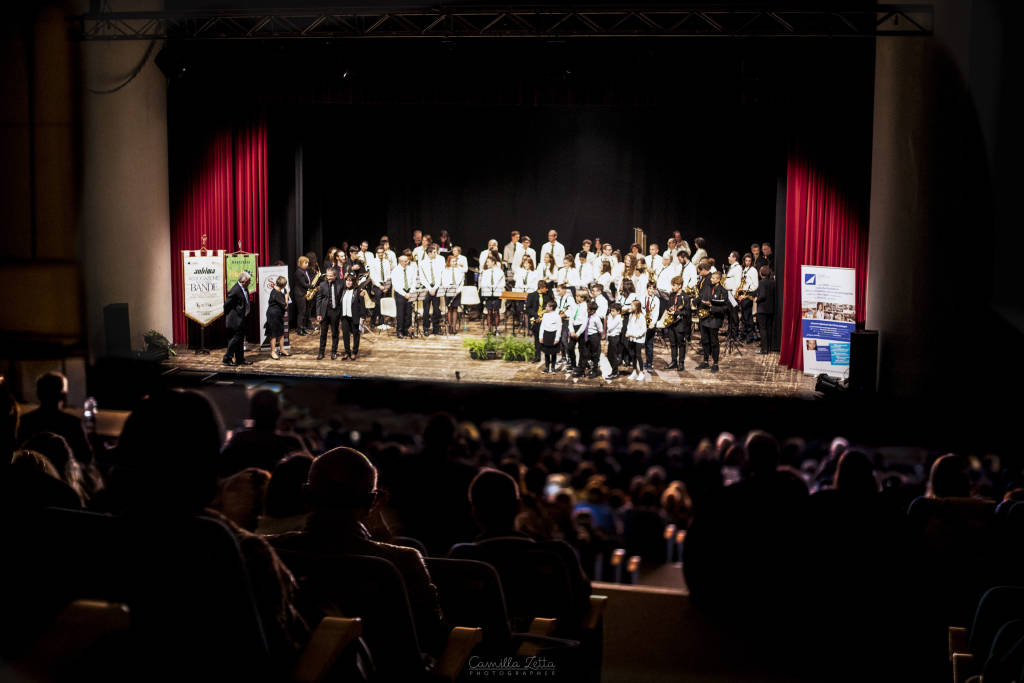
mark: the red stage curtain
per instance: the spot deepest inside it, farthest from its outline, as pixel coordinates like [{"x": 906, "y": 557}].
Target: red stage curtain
[
  {"x": 825, "y": 226},
  {"x": 221, "y": 192}
]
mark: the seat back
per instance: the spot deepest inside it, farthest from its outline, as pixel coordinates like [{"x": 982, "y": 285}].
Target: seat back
[
  {"x": 535, "y": 581},
  {"x": 183, "y": 579},
  {"x": 370, "y": 588},
  {"x": 470, "y": 593},
  {"x": 470, "y": 296},
  {"x": 387, "y": 307}
]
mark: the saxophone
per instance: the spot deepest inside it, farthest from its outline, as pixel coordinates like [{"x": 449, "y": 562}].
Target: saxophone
[
  {"x": 741, "y": 291},
  {"x": 703, "y": 310},
  {"x": 313, "y": 286}
]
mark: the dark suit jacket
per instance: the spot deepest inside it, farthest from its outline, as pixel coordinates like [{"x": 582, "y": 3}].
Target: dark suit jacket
[
  {"x": 236, "y": 306},
  {"x": 299, "y": 283},
  {"x": 531, "y": 303},
  {"x": 323, "y": 299},
  {"x": 766, "y": 296},
  {"x": 719, "y": 299}
]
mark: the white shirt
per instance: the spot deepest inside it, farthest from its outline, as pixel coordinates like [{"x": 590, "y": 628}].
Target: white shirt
[
  {"x": 636, "y": 328},
  {"x": 517, "y": 254},
  {"x": 462, "y": 263},
  {"x": 689, "y": 275},
  {"x": 665, "y": 278},
  {"x": 565, "y": 303},
  {"x": 483, "y": 258},
  {"x": 651, "y": 304},
  {"x": 732, "y": 278},
  {"x": 606, "y": 281},
  {"x": 392, "y": 257},
  {"x": 751, "y": 275},
  {"x": 698, "y": 255},
  {"x": 380, "y": 269},
  {"x": 578, "y": 316},
  {"x": 596, "y": 324},
  {"x": 618, "y": 270},
  {"x": 526, "y": 281},
  {"x": 493, "y": 278},
  {"x": 602, "y": 306},
  {"x": 403, "y": 280},
  {"x": 453, "y": 277},
  {"x": 419, "y": 253},
  {"x": 346, "y": 302},
  {"x": 430, "y": 271},
  {"x": 522, "y": 253},
  {"x": 551, "y": 322},
  {"x": 614, "y": 325},
  {"x": 653, "y": 262},
  {"x": 591, "y": 257},
  {"x": 555, "y": 249}
]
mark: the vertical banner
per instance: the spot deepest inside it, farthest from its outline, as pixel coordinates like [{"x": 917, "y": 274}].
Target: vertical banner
[
  {"x": 236, "y": 263},
  {"x": 203, "y": 282},
  {"x": 829, "y": 315},
  {"x": 266, "y": 278}
]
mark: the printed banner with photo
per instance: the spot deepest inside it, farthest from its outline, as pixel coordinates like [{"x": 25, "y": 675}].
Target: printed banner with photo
[
  {"x": 266, "y": 278},
  {"x": 829, "y": 316},
  {"x": 203, "y": 280},
  {"x": 235, "y": 264}
]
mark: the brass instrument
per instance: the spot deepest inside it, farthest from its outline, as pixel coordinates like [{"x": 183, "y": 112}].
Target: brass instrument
[
  {"x": 667, "y": 318},
  {"x": 703, "y": 309},
  {"x": 367, "y": 301},
  {"x": 313, "y": 286},
  {"x": 741, "y": 291}
]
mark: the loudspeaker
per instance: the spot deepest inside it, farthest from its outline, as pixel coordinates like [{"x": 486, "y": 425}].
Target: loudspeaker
[
  {"x": 864, "y": 361},
  {"x": 117, "y": 331}
]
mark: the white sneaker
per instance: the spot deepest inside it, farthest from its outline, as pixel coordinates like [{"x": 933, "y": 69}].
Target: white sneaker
[
  {"x": 640, "y": 377},
  {"x": 633, "y": 375}
]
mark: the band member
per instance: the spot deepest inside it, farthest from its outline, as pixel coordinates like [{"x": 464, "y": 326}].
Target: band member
[
  {"x": 352, "y": 312},
  {"x": 607, "y": 254},
  {"x": 577, "y": 322},
  {"x": 715, "y": 299},
  {"x": 403, "y": 281},
  {"x": 274, "y": 327},
  {"x": 766, "y": 254},
  {"x": 549, "y": 271},
  {"x": 564, "y": 303},
  {"x": 653, "y": 258},
  {"x": 670, "y": 247},
  {"x": 512, "y": 252},
  {"x": 584, "y": 272},
  {"x": 679, "y": 306},
  {"x": 627, "y": 295},
  {"x": 613, "y": 332},
  {"x": 380, "y": 280},
  {"x": 765, "y": 299},
  {"x": 636, "y": 334},
  {"x": 699, "y": 251},
  {"x": 733, "y": 275},
  {"x": 585, "y": 248},
  {"x": 549, "y": 333},
  {"x": 525, "y": 280},
  {"x": 535, "y": 302},
  {"x": 460, "y": 261},
  {"x": 553, "y": 247},
  {"x": 492, "y": 246},
  {"x": 236, "y": 309},
  {"x": 565, "y": 273},
  {"x": 640, "y": 276},
  {"x": 755, "y": 251},
  {"x": 339, "y": 265},
  {"x": 392, "y": 256},
  {"x": 364, "y": 252},
  {"x": 430, "y": 267},
  {"x": 329, "y": 260},
  {"x": 606, "y": 280},
  {"x": 748, "y": 278},
  {"x": 420, "y": 252},
  {"x": 590, "y": 345},
  {"x": 301, "y": 282},
  {"x": 354, "y": 265},
  {"x": 598, "y": 297},
  {"x": 453, "y": 276},
  {"x": 444, "y": 243},
  {"x": 328, "y": 312},
  {"x": 652, "y": 310},
  {"x": 527, "y": 251},
  {"x": 493, "y": 279}
]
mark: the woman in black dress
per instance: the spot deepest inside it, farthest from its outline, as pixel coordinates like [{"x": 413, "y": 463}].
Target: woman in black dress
[
  {"x": 275, "y": 318},
  {"x": 353, "y": 310}
]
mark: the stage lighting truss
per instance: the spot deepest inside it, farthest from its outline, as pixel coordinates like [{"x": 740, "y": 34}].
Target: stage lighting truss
[{"x": 449, "y": 22}]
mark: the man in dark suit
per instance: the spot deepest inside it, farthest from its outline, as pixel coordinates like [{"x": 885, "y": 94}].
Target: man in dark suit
[
  {"x": 712, "y": 296},
  {"x": 52, "y": 393},
  {"x": 236, "y": 310},
  {"x": 535, "y": 302},
  {"x": 328, "y": 312},
  {"x": 301, "y": 282},
  {"x": 764, "y": 297}
]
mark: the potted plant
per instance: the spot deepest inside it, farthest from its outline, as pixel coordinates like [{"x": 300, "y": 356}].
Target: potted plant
[{"x": 482, "y": 349}]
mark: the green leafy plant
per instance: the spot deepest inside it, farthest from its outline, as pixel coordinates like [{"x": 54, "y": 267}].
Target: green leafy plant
[
  {"x": 517, "y": 349},
  {"x": 156, "y": 341},
  {"x": 480, "y": 347}
]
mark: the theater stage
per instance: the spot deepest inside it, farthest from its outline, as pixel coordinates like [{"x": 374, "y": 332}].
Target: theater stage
[{"x": 439, "y": 358}]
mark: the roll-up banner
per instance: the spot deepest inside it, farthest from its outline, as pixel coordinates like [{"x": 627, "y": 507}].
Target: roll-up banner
[
  {"x": 829, "y": 316},
  {"x": 267, "y": 276}
]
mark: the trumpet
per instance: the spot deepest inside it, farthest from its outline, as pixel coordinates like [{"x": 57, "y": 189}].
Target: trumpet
[{"x": 311, "y": 290}]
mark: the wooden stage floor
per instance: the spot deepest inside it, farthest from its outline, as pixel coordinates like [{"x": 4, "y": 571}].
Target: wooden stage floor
[{"x": 438, "y": 358}]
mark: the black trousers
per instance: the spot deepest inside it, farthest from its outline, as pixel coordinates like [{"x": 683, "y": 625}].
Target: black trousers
[
  {"x": 614, "y": 352},
  {"x": 403, "y": 315},
  {"x": 377, "y": 293},
  {"x": 432, "y": 314},
  {"x": 677, "y": 339},
  {"x": 734, "y": 321},
  {"x": 349, "y": 330},
  {"x": 709, "y": 342},
  {"x": 590, "y": 352},
  {"x": 236, "y": 343},
  {"x": 649, "y": 346},
  {"x": 535, "y": 331},
  {"x": 563, "y": 342},
  {"x": 330, "y": 320},
  {"x": 575, "y": 342},
  {"x": 301, "y": 310},
  {"x": 747, "y": 318},
  {"x": 765, "y": 322}
]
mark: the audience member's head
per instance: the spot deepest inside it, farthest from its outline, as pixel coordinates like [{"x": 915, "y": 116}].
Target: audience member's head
[
  {"x": 950, "y": 477},
  {"x": 52, "y": 390},
  {"x": 439, "y": 434},
  {"x": 342, "y": 482},
  {"x": 32, "y": 484},
  {"x": 56, "y": 449},
  {"x": 855, "y": 474},
  {"x": 10, "y": 414},
  {"x": 284, "y": 492},
  {"x": 161, "y": 467},
  {"x": 241, "y": 497},
  {"x": 762, "y": 453},
  {"x": 265, "y": 409},
  {"x": 494, "y": 497}
]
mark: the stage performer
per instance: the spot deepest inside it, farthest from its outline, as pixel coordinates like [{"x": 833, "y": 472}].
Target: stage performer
[
  {"x": 715, "y": 299},
  {"x": 353, "y": 310},
  {"x": 749, "y": 279},
  {"x": 301, "y": 280},
  {"x": 613, "y": 331},
  {"x": 494, "y": 279},
  {"x": 380, "y": 279},
  {"x": 764, "y": 297},
  {"x": 536, "y": 302},
  {"x": 636, "y": 335},
  {"x": 678, "y": 306},
  {"x": 236, "y": 310},
  {"x": 512, "y": 252},
  {"x": 549, "y": 332},
  {"x": 274, "y": 326},
  {"x": 699, "y": 251},
  {"x": 430, "y": 267},
  {"x": 328, "y": 312},
  {"x": 553, "y": 247},
  {"x": 652, "y": 310},
  {"x": 577, "y": 322},
  {"x": 733, "y": 275},
  {"x": 453, "y": 276},
  {"x": 403, "y": 281}
]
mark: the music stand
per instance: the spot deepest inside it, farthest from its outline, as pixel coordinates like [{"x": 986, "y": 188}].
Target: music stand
[
  {"x": 486, "y": 292},
  {"x": 444, "y": 292},
  {"x": 414, "y": 296}
]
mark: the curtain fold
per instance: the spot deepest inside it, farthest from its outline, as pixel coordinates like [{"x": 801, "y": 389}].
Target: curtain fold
[
  {"x": 221, "y": 192},
  {"x": 825, "y": 226}
]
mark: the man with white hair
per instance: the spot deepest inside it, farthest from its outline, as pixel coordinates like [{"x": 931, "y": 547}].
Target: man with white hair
[
  {"x": 236, "y": 310},
  {"x": 553, "y": 247}
]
